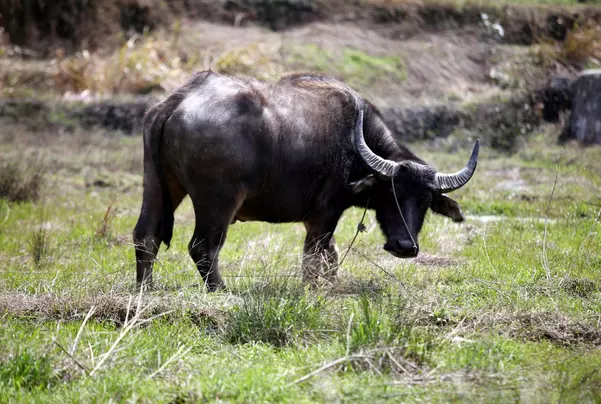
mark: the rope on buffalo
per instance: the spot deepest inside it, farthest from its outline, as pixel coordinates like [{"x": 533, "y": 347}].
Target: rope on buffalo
[
  {"x": 401, "y": 212},
  {"x": 361, "y": 225},
  {"x": 360, "y": 229}
]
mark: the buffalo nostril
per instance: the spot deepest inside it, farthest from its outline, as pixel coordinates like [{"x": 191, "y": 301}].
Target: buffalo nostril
[{"x": 407, "y": 248}]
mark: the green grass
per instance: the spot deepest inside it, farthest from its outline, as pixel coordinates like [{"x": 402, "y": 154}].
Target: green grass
[
  {"x": 504, "y": 307},
  {"x": 355, "y": 67}
]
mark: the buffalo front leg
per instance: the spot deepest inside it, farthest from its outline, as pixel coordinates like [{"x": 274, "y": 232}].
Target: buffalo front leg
[
  {"x": 204, "y": 249},
  {"x": 320, "y": 253},
  {"x": 330, "y": 261}
]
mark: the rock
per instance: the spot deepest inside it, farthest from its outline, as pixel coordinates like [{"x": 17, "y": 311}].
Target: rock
[
  {"x": 505, "y": 124},
  {"x": 113, "y": 115},
  {"x": 276, "y": 14},
  {"x": 126, "y": 117},
  {"x": 556, "y": 98},
  {"x": 421, "y": 123},
  {"x": 558, "y": 25},
  {"x": 584, "y": 124},
  {"x": 136, "y": 17},
  {"x": 499, "y": 124}
]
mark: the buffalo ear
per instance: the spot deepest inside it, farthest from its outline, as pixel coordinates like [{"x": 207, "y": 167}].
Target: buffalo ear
[
  {"x": 443, "y": 205},
  {"x": 362, "y": 184}
]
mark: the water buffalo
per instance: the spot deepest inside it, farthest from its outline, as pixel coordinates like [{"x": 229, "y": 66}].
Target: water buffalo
[{"x": 303, "y": 149}]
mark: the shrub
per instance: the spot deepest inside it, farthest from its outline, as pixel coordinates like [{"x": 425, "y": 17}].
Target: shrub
[
  {"x": 141, "y": 65},
  {"x": 22, "y": 182}
]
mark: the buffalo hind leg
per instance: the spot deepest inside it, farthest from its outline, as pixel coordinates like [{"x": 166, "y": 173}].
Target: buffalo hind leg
[
  {"x": 213, "y": 213},
  {"x": 146, "y": 233}
]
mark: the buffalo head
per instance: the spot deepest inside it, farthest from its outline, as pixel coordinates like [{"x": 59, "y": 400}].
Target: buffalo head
[{"x": 402, "y": 192}]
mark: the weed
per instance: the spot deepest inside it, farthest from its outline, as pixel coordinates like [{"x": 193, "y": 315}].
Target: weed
[
  {"x": 22, "y": 182},
  {"x": 103, "y": 231},
  {"x": 380, "y": 338},
  {"x": 376, "y": 323},
  {"x": 279, "y": 312},
  {"x": 3, "y": 216},
  {"x": 581, "y": 287},
  {"x": 43, "y": 244},
  {"x": 39, "y": 245}
]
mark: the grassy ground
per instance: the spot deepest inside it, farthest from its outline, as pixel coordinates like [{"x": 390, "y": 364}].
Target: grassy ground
[{"x": 506, "y": 306}]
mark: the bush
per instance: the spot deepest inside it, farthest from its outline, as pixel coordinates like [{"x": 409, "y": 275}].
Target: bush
[{"x": 22, "y": 182}]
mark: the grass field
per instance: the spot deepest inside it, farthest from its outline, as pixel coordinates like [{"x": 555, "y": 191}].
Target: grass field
[{"x": 505, "y": 307}]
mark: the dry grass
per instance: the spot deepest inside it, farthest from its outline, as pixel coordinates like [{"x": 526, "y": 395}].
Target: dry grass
[
  {"x": 581, "y": 48},
  {"x": 253, "y": 60},
  {"x": 133, "y": 68},
  {"x": 555, "y": 327},
  {"x": 111, "y": 307},
  {"x": 527, "y": 326},
  {"x": 539, "y": 326}
]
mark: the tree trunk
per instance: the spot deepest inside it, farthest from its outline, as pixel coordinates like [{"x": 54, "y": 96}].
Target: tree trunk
[{"x": 584, "y": 123}]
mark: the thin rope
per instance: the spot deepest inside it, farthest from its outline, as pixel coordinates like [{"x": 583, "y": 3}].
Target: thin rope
[
  {"x": 402, "y": 216},
  {"x": 381, "y": 268},
  {"x": 360, "y": 229}
]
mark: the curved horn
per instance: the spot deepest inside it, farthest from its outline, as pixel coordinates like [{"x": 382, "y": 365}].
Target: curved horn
[
  {"x": 451, "y": 182},
  {"x": 381, "y": 167}
]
